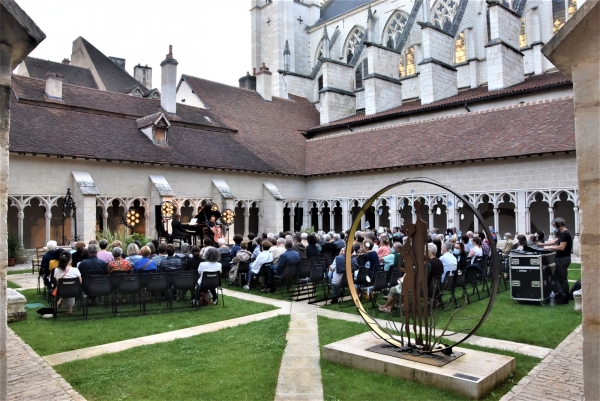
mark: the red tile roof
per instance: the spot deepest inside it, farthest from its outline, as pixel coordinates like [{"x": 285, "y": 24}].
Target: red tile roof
[
  {"x": 532, "y": 83},
  {"x": 272, "y": 130},
  {"x": 533, "y": 128}
]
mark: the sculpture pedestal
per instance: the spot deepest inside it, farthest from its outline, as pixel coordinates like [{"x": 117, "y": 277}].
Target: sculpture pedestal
[
  {"x": 15, "y": 306},
  {"x": 473, "y": 374}
]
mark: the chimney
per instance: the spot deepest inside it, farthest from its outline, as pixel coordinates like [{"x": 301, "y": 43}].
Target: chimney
[
  {"x": 54, "y": 85},
  {"x": 168, "y": 80},
  {"x": 263, "y": 83},
  {"x": 66, "y": 61},
  {"x": 143, "y": 75},
  {"x": 248, "y": 82}
]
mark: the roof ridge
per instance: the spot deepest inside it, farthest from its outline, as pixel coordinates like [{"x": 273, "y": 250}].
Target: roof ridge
[
  {"x": 491, "y": 110},
  {"x": 56, "y": 62}
]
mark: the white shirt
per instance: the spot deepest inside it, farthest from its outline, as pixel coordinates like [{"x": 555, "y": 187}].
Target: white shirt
[
  {"x": 208, "y": 267},
  {"x": 450, "y": 263},
  {"x": 72, "y": 272},
  {"x": 261, "y": 259},
  {"x": 476, "y": 252}
]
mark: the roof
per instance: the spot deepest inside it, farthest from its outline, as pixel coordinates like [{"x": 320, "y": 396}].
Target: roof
[
  {"x": 37, "y": 68},
  {"x": 272, "y": 130},
  {"x": 482, "y": 93},
  {"x": 545, "y": 126},
  {"x": 335, "y": 8},
  {"x": 32, "y": 89},
  {"x": 114, "y": 78},
  {"x": 36, "y": 128}
]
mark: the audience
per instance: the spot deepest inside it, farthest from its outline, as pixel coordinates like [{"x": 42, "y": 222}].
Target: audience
[
  {"x": 211, "y": 264},
  {"x": 145, "y": 264},
  {"x": 263, "y": 257},
  {"x": 104, "y": 254},
  {"x": 312, "y": 251},
  {"x": 448, "y": 259},
  {"x": 66, "y": 271},
  {"x": 170, "y": 262},
  {"x": 93, "y": 265},
  {"x": 118, "y": 263}
]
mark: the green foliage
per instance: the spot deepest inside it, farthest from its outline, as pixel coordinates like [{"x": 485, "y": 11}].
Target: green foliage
[
  {"x": 309, "y": 230},
  {"x": 10, "y": 284},
  {"x": 237, "y": 363},
  {"x": 121, "y": 234},
  {"x": 129, "y": 324},
  {"x": 141, "y": 238},
  {"x": 14, "y": 248}
]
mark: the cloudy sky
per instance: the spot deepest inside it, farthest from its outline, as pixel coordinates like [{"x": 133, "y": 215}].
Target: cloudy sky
[{"x": 210, "y": 38}]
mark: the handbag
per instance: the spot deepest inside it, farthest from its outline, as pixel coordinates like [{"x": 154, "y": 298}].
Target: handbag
[{"x": 55, "y": 290}]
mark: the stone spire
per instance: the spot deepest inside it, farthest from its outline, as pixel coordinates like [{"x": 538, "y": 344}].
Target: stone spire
[
  {"x": 286, "y": 56},
  {"x": 370, "y": 25},
  {"x": 370, "y": 14},
  {"x": 325, "y": 34},
  {"x": 325, "y": 51}
]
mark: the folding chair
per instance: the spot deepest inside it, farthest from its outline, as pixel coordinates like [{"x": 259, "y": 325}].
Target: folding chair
[
  {"x": 67, "y": 288},
  {"x": 156, "y": 283},
  {"x": 289, "y": 273},
  {"x": 97, "y": 286},
  {"x": 186, "y": 281},
  {"x": 210, "y": 280},
  {"x": 129, "y": 284}
]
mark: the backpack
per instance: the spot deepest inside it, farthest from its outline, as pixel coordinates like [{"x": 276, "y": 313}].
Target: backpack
[{"x": 576, "y": 287}]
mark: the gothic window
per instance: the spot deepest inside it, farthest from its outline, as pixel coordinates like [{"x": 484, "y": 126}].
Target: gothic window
[
  {"x": 361, "y": 71},
  {"x": 395, "y": 28},
  {"x": 407, "y": 63},
  {"x": 487, "y": 21},
  {"x": 320, "y": 82},
  {"x": 354, "y": 39},
  {"x": 460, "y": 50},
  {"x": 572, "y": 7},
  {"x": 522, "y": 34},
  {"x": 443, "y": 13},
  {"x": 558, "y": 12}
]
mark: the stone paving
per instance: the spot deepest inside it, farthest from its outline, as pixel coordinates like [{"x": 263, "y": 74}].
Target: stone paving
[{"x": 558, "y": 377}]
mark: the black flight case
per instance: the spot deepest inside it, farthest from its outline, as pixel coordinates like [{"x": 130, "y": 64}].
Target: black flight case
[{"x": 531, "y": 274}]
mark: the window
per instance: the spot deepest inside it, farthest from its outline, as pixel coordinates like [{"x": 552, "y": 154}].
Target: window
[
  {"x": 407, "y": 63},
  {"x": 460, "y": 50},
  {"x": 558, "y": 12},
  {"x": 395, "y": 28},
  {"x": 443, "y": 13},
  {"x": 361, "y": 72},
  {"x": 487, "y": 21},
  {"x": 320, "y": 82},
  {"x": 354, "y": 39},
  {"x": 522, "y": 34}
]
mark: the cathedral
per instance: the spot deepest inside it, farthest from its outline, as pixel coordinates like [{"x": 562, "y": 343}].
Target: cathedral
[{"x": 341, "y": 98}]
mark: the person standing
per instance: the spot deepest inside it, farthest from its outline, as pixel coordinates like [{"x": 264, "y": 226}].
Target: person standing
[{"x": 563, "y": 246}]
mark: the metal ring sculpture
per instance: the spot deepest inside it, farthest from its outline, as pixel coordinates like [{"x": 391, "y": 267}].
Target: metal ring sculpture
[
  {"x": 371, "y": 322},
  {"x": 132, "y": 218},
  {"x": 228, "y": 216},
  {"x": 167, "y": 209}
]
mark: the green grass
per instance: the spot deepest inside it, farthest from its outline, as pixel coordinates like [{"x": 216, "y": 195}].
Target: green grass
[
  {"x": 509, "y": 320},
  {"x": 10, "y": 284},
  {"x": 574, "y": 274},
  {"x": 344, "y": 383},
  {"x": 239, "y": 363},
  {"x": 102, "y": 328},
  {"x": 575, "y": 266},
  {"x": 11, "y": 272}
]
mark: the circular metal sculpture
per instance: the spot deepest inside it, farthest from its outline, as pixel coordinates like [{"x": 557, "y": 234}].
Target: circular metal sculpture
[
  {"x": 415, "y": 298},
  {"x": 167, "y": 209},
  {"x": 132, "y": 218},
  {"x": 228, "y": 216},
  {"x": 214, "y": 207}
]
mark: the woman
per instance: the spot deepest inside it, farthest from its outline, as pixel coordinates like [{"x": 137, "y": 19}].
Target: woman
[
  {"x": 211, "y": 264},
  {"x": 384, "y": 246},
  {"x": 207, "y": 244},
  {"x": 133, "y": 254},
  {"x": 243, "y": 255},
  {"x": 152, "y": 248},
  {"x": 476, "y": 251},
  {"x": 145, "y": 264},
  {"x": 521, "y": 242},
  {"x": 263, "y": 257},
  {"x": 461, "y": 256},
  {"x": 195, "y": 260},
  {"x": 257, "y": 248},
  {"x": 64, "y": 271},
  {"x": 312, "y": 251},
  {"x": 119, "y": 264},
  {"x": 370, "y": 256},
  {"x": 76, "y": 256}
]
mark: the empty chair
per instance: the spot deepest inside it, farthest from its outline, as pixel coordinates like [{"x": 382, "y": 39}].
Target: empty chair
[
  {"x": 98, "y": 286},
  {"x": 379, "y": 284},
  {"x": 129, "y": 284},
  {"x": 288, "y": 274},
  {"x": 157, "y": 283},
  {"x": 186, "y": 281}
]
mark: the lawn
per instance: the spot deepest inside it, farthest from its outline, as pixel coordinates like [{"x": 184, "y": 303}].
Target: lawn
[
  {"x": 574, "y": 274},
  {"x": 10, "y": 284},
  {"x": 344, "y": 383},
  {"x": 102, "y": 328},
  {"x": 238, "y": 363}
]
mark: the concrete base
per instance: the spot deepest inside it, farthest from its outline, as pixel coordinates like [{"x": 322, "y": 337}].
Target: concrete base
[
  {"x": 473, "y": 375},
  {"x": 15, "y": 306}
]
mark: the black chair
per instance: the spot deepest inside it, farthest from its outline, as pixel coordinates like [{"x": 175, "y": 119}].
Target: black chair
[
  {"x": 162, "y": 233},
  {"x": 210, "y": 280},
  {"x": 186, "y": 281},
  {"x": 129, "y": 284},
  {"x": 302, "y": 280},
  {"x": 225, "y": 264},
  {"x": 471, "y": 278},
  {"x": 67, "y": 288},
  {"x": 98, "y": 286},
  {"x": 395, "y": 276},
  {"x": 459, "y": 282},
  {"x": 317, "y": 275},
  {"x": 156, "y": 283},
  {"x": 448, "y": 285},
  {"x": 288, "y": 274},
  {"x": 342, "y": 291},
  {"x": 243, "y": 268},
  {"x": 380, "y": 283},
  {"x": 263, "y": 271},
  {"x": 305, "y": 269}
]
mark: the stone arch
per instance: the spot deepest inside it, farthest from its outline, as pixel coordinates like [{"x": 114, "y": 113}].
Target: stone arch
[
  {"x": 447, "y": 14},
  {"x": 351, "y": 44},
  {"x": 394, "y": 29}
]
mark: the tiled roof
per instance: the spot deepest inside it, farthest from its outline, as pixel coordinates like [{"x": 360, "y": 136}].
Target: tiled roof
[
  {"x": 272, "y": 130},
  {"x": 111, "y": 102},
  {"x": 531, "y": 128},
  {"x": 67, "y": 132},
  {"x": 334, "y": 8},
  {"x": 468, "y": 96},
  {"x": 37, "y": 68},
  {"x": 114, "y": 78},
  {"x": 149, "y": 120}
]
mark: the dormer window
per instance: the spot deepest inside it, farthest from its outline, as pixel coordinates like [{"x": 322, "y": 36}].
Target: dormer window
[{"x": 155, "y": 127}]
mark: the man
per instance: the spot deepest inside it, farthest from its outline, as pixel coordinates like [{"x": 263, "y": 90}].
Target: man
[
  {"x": 278, "y": 250},
  {"x": 104, "y": 254},
  {"x": 289, "y": 256},
  {"x": 299, "y": 246},
  {"x": 171, "y": 262},
  {"x": 45, "y": 263},
  {"x": 392, "y": 259},
  {"x": 93, "y": 265},
  {"x": 162, "y": 254},
  {"x": 339, "y": 240},
  {"x": 508, "y": 245},
  {"x": 177, "y": 229},
  {"x": 469, "y": 241},
  {"x": 563, "y": 246},
  {"x": 223, "y": 248},
  {"x": 304, "y": 239},
  {"x": 448, "y": 259},
  {"x": 329, "y": 246},
  {"x": 184, "y": 255},
  {"x": 237, "y": 240},
  {"x": 337, "y": 271}
]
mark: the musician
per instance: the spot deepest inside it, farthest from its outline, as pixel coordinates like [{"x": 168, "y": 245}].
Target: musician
[
  {"x": 563, "y": 246},
  {"x": 214, "y": 229},
  {"x": 178, "y": 230}
]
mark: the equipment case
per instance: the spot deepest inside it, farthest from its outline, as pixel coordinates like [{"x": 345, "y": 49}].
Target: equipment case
[{"x": 531, "y": 275}]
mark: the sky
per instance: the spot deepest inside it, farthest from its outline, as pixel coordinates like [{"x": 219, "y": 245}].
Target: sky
[{"x": 210, "y": 38}]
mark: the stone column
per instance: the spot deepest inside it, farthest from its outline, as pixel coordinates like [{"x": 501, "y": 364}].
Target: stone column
[
  {"x": 516, "y": 223},
  {"x": 345, "y": 219},
  {"x": 362, "y": 222},
  {"x": 475, "y": 225},
  {"x": 21, "y": 216},
  {"x": 520, "y": 212},
  {"x": 430, "y": 213},
  {"x": 496, "y": 220},
  {"x": 48, "y": 217},
  {"x": 576, "y": 243},
  {"x": 331, "y": 220},
  {"x": 105, "y": 220},
  {"x": 576, "y": 228},
  {"x": 527, "y": 221},
  {"x": 319, "y": 220},
  {"x": 246, "y": 221},
  {"x": 551, "y": 214}
]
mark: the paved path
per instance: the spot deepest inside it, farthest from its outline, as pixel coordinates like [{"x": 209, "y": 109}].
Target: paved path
[
  {"x": 32, "y": 378},
  {"x": 26, "y": 281},
  {"x": 558, "y": 377},
  {"x": 300, "y": 371}
]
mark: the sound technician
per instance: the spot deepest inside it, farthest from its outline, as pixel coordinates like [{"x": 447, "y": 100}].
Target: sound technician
[{"x": 563, "y": 246}]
